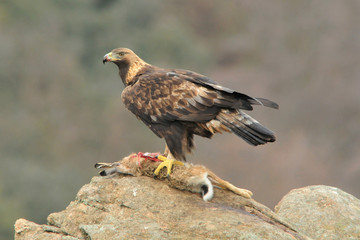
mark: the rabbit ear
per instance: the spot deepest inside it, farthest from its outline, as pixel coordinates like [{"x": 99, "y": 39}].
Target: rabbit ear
[
  {"x": 108, "y": 172},
  {"x": 106, "y": 165},
  {"x": 113, "y": 169}
]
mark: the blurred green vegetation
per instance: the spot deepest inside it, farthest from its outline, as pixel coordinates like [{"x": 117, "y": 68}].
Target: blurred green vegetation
[{"x": 61, "y": 110}]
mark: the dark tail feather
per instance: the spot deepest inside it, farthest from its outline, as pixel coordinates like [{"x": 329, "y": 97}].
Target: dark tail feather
[
  {"x": 264, "y": 102},
  {"x": 246, "y": 127}
]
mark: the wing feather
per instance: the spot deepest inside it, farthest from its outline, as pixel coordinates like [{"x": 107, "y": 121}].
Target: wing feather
[
  {"x": 182, "y": 95},
  {"x": 246, "y": 101}
]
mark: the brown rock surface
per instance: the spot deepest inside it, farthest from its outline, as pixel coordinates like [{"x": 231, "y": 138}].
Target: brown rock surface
[
  {"x": 144, "y": 208},
  {"x": 322, "y": 212},
  {"x": 25, "y": 229}
]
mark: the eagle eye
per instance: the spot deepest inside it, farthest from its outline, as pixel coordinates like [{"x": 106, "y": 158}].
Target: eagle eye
[{"x": 121, "y": 53}]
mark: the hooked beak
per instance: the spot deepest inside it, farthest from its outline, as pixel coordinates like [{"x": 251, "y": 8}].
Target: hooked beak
[{"x": 108, "y": 58}]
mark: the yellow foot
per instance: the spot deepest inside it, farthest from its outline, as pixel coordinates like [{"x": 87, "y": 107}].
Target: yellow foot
[{"x": 168, "y": 163}]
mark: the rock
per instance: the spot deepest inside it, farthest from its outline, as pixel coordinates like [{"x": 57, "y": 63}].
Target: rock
[
  {"x": 322, "y": 212},
  {"x": 144, "y": 208},
  {"x": 25, "y": 229},
  {"x": 129, "y": 207}
]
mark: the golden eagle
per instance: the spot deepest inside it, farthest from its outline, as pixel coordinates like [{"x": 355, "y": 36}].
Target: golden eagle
[{"x": 178, "y": 104}]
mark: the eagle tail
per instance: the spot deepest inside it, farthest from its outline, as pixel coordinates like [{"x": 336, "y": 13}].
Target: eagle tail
[
  {"x": 246, "y": 127},
  {"x": 266, "y": 103}
]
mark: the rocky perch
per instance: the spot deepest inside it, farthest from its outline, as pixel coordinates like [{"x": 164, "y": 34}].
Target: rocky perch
[{"x": 140, "y": 207}]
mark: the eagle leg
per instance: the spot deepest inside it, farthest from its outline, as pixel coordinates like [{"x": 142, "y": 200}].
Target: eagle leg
[{"x": 167, "y": 162}]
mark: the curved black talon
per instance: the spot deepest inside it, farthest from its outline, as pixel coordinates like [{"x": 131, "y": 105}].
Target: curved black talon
[
  {"x": 154, "y": 176},
  {"x": 168, "y": 176}
]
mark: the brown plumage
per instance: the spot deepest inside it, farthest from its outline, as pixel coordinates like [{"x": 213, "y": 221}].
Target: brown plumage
[{"x": 178, "y": 104}]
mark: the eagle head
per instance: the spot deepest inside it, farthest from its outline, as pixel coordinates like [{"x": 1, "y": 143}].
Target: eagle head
[{"x": 119, "y": 55}]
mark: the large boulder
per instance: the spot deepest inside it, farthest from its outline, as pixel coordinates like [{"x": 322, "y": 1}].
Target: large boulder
[
  {"x": 141, "y": 207},
  {"x": 322, "y": 212},
  {"x": 145, "y": 208}
]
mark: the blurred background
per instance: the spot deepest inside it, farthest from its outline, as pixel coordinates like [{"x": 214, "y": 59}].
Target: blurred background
[{"x": 61, "y": 110}]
